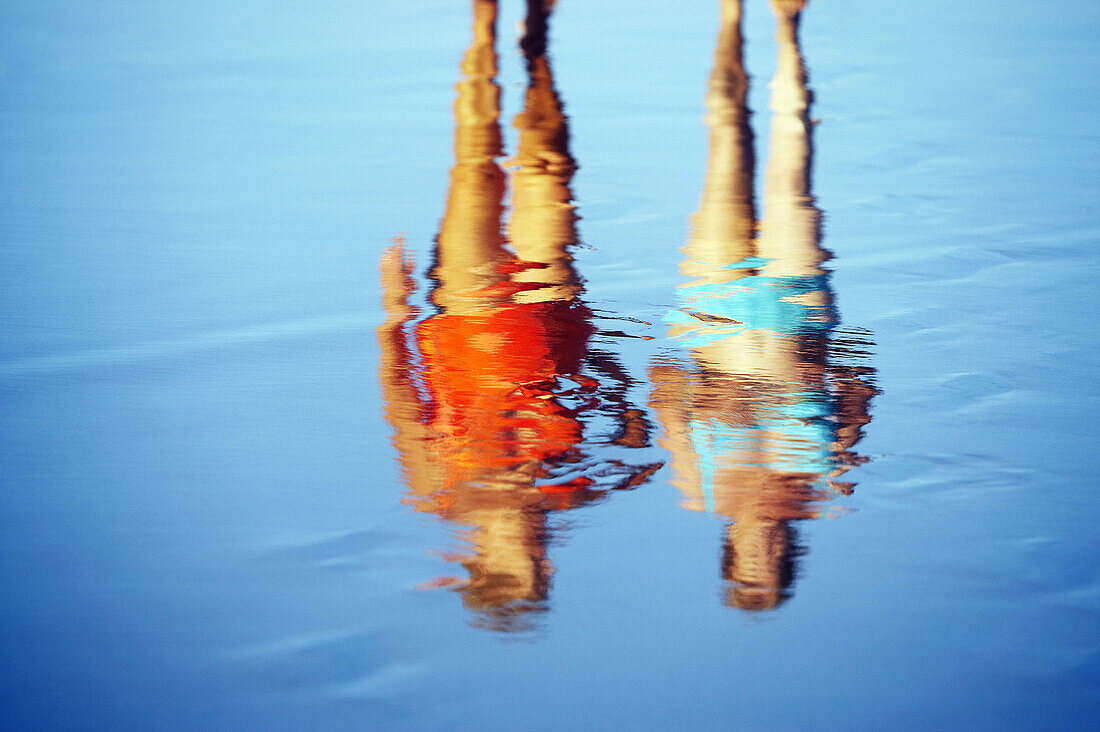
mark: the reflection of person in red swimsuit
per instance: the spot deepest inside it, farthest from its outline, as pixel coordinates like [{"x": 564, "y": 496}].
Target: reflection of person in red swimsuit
[
  {"x": 762, "y": 417},
  {"x": 492, "y": 399}
]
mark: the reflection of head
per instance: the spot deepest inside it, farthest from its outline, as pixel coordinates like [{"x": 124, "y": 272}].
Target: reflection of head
[
  {"x": 758, "y": 560},
  {"x": 513, "y": 618},
  {"x": 493, "y": 589},
  {"x": 509, "y": 574},
  {"x": 503, "y": 602}
]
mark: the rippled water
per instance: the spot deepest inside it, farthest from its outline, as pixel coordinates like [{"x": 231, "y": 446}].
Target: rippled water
[{"x": 362, "y": 368}]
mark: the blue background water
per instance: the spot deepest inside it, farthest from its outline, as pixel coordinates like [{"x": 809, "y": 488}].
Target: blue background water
[{"x": 201, "y": 516}]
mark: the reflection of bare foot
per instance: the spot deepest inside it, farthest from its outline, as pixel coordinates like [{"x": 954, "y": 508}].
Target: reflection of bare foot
[
  {"x": 533, "y": 29},
  {"x": 788, "y": 7}
]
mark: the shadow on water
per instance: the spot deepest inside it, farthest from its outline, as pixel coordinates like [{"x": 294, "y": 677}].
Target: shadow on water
[
  {"x": 496, "y": 399},
  {"x": 762, "y": 416}
]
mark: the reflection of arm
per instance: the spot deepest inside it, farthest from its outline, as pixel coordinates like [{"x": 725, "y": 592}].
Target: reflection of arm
[
  {"x": 854, "y": 391},
  {"x": 670, "y": 400},
  {"x": 403, "y": 407}
]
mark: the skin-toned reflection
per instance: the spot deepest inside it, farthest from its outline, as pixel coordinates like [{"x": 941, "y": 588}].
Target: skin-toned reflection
[
  {"x": 493, "y": 398},
  {"x": 762, "y": 417}
]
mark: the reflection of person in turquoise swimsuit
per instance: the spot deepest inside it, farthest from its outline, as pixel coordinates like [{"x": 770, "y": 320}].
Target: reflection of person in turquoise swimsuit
[{"x": 760, "y": 421}]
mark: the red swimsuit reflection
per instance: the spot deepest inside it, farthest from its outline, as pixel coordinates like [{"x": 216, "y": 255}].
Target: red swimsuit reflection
[
  {"x": 491, "y": 398},
  {"x": 762, "y": 418}
]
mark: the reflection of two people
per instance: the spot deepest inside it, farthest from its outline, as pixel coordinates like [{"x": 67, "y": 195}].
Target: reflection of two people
[
  {"x": 492, "y": 398},
  {"x": 762, "y": 418}
]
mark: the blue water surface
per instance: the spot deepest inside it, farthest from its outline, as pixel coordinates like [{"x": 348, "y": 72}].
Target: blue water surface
[{"x": 201, "y": 510}]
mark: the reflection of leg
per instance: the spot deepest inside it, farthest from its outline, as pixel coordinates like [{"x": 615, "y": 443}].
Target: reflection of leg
[
  {"x": 470, "y": 241},
  {"x": 543, "y": 222},
  {"x": 478, "y": 102},
  {"x": 790, "y": 228},
  {"x": 724, "y": 226}
]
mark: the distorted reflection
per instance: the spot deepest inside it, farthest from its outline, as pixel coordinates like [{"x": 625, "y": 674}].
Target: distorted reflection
[
  {"x": 761, "y": 417},
  {"x": 502, "y": 410}
]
